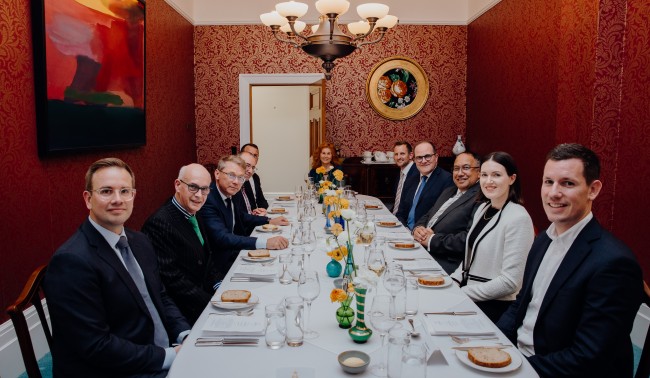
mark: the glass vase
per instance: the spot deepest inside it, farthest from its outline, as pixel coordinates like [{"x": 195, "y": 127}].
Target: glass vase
[
  {"x": 333, "y": 268},
  {"x": 360, "y": 333},
  {"x": 345, "y": 315}
]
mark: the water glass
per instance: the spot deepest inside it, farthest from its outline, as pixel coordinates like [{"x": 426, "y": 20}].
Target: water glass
[
  {"x": 283, "y": 274},
  {"x": 308, "y": 289},
  {"x": 397, "y": 339},
  {"x": 275, "y": 333},
  {"x": 376, "y": 261},
  {"x": 412, "y": 297},
  {"x": 294, "y": 312},
  {"x": 414, "y": 361},
  {"x": 296, "y": 265},
  {"x": 382, "y": 319}
]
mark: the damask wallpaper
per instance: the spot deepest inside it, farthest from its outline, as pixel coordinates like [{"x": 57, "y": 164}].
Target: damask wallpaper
[{"x": 224, "y": 52}]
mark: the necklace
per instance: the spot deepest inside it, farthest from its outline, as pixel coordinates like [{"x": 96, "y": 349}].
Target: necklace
[{"x": 491, "y": 216}]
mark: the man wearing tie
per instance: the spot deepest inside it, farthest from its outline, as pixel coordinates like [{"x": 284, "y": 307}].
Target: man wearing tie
[
  {"x": 422, "y": 191},
  {"x": 443, "y": 230},
  {"x": 187, "y": 263},
  {"x": 111, "y": 316},
  {"x": 246, "y": 195},
  {"x": 403, "y": 155},
  {"x": 226, "y": 225},
  {"x": 253, "y": 184}
]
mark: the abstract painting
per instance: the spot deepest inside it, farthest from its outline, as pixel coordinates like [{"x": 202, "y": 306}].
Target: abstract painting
[{"x": 89, "y": 74}]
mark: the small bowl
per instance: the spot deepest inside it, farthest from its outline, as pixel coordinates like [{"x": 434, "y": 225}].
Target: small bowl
[{"x": 354, "y": 354}]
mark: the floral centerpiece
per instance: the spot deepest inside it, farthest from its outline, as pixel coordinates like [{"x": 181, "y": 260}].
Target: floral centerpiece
[
  {"x": 326, "y": 183},
  {"x": 344, "y": 296},
  {"x": 334, "y": 203}
]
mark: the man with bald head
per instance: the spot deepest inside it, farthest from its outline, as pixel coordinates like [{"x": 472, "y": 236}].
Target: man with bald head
[{"x": 187, "y": 263}]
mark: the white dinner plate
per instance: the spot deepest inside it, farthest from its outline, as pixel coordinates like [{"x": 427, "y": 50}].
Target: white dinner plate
[
  {"x": 448, "y": 282},
  {"x": 257, "y": 259},
  {"x": 415, "y": 245},
  {"x": 261, "y": 229},
  {"x": 397, "y": 224},
  {"x": 514, "y": 365},
  {"x": 252, "y": 301}
]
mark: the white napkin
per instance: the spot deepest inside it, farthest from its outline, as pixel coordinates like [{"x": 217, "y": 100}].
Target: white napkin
[
  {"x": 418, "y": 264},
  {"x": 256, "y": 270},
  {"x": 219, "y": 325},
  {"x": 459, "y": 325}
]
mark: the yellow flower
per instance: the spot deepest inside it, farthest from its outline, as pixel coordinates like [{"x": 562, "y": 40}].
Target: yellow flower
[
  {"x": 338, "y": 175},
  {"x": 339, "y": 191},
  {"x": 334, "y": 214},
  {"x": 344, "y": 250},
  {"x": 321, "y": 190},
  {"x": 325, "y": 184},
  {"x": 320, "y": 170},
  {"x": 338, "y": 295},
  {"x": 344, "y": 203},
  {"x": 350, "y": 287},
  {"x": 329, "y": 200},
  {"x": 336, "y": 229},
  {"x": 335, "y": 254}
]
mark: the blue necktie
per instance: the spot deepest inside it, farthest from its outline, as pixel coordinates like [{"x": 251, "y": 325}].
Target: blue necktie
[{"x": 411, "y": 219}]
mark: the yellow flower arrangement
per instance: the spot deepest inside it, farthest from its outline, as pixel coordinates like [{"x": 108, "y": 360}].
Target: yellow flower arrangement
[
  {"x": 338, "y": 175},
  {"x": 336, "y": 229},
  {"x": 338, "y": 253},
  {"x": 338, "y": 295},
  {"x": 320, "y": 170}
]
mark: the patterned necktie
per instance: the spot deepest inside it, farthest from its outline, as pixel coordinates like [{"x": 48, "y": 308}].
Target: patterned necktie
[
  {"x": 159, "y": 334},
  {"x": 195, "y": 226},
  {"x": 444, "y": 207},
  {"x": 411, "y": 218},
  {"x": 229, "y": 207},
  {"x": 248, "y": 204},
  {"x": 398, "y": 196}
]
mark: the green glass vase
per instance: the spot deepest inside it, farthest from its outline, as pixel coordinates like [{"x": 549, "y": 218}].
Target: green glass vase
[
  {"x": 360, "y": 333},
  {"x": 345, "y": 316}
]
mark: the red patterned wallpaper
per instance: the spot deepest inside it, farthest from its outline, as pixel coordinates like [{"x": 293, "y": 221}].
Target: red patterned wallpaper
[
  {"x": 546, "y": 72},
  {"x": 224, "y": 52},
  {"x": 42, "y": 203}
]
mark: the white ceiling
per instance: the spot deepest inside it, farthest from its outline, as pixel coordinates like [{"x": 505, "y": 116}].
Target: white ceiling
[{"x": 419, "y": 12}]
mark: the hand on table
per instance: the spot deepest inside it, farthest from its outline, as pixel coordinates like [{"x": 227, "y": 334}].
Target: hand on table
[
  {"x": 277, "y": 242},
  {"x": 422, "y": 235},
  {"x": 259, "y": 211},
  {"x": 280, "y": 221}
]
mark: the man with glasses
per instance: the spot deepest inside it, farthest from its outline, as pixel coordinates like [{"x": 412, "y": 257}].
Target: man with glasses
[
  {"x": 422, "y": 190},
  {"x": 246, "y": 196},
  {"x": 253, "y": 185},
  {"x": 442, "y": 231},
  {"x": 186, "y": 261},
  {"x": 227, "y": 226},
  {"x": 110, "y": 314}
]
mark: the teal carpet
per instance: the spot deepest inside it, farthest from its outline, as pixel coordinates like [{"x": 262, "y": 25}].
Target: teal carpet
[{"x": 45, "y": 364}]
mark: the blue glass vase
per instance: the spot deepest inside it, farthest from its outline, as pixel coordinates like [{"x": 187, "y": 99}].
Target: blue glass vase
[{"x": 334, "y": 268}]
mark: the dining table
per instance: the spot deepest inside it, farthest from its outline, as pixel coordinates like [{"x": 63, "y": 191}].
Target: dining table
[{"x": 317, "y": 357}]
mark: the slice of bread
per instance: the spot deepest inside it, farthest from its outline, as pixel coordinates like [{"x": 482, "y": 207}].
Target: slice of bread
[
  {"x": 284, "y": 198},
  {"x": 259, "y": 253},
  {"x": 431, "y": 280},
  {"x": 278, "y": 210},
  {"x": 489, "y": 357},
  {"x": 387, "y": 223},
  {"x": 237, "y": 296},
  {"x": 270, "y": 227},
  {"x": 372, "y": 206},
  {"x": 404, "y": 245}
]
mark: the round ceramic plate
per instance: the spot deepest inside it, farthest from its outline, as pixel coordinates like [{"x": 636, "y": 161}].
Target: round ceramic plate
[
  {"x": 261, "y": 229},
  {"x": 393, "y": 245},
  {"x": 258, "y": 259},
  {"x": 514, "y": 365},
  {"x": 384, "y": 224},
  {"x": 448, "y": 282},
  {"x": 252, "y": 301}
]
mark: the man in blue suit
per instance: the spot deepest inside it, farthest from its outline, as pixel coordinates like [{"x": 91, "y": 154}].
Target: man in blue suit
[
  {"x": 422, "y": 191},
  {"x": 403, "y": 156},
  {"x": 111, "y": 316},
  {"x": 227, "y": 225},
  {"x": 582, "y": 287}
]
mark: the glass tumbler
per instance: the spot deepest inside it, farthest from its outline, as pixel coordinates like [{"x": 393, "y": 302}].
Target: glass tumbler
[
  {"x": 397, "y": 338},
  {"x": 275, "y": 333},
  {"x": 294, "y": 312},
  {"x": 414, "y": 361},
  {"x": 412, "y": 296}
]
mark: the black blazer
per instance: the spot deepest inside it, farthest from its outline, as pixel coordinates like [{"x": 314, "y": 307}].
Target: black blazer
[
  {"x": 187, "y": 268},
  {"x": 256, "y": 199},
  {"x": 413, "y": 171},
  {"x": 100, "y": 323},
  {"x": 227, "y": 238},
  {"x": 436, "y": 183},
  {"x": 585, "y": 319},
  {"x": 447, "y": 245}
]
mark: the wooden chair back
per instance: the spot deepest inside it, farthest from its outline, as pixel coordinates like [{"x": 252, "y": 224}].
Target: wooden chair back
[{"x": 31, "y": 295}]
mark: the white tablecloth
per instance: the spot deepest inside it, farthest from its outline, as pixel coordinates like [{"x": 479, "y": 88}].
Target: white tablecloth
[{"x": 318, "y": 357}]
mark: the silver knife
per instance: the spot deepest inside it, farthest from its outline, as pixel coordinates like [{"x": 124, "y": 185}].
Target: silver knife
[
  {"x": 451, "y": 313},
  {"x": 494, "y": 346}
]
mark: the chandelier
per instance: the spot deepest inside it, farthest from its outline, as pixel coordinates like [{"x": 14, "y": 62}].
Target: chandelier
[{"x": 326, "y": 40}]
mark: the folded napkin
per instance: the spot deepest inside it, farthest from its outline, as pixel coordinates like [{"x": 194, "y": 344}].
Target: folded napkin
[
  {"x": 233, "y": 325},
  {"x": 256, "y": 270},
  {"x": 418, "y": 264},
  {"x": 459, "y": 325}
]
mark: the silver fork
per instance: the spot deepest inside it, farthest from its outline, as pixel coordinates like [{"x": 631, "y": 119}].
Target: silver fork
[
  {"x": 238, "y": 313},
  {"x": 463, "y": 340}
]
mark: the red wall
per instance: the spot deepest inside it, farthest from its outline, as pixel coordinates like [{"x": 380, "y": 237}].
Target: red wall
[
  {"x": 547, "y": 72},
  {"x": 42, "y": 201},
  {"x": 224, "y": 52}
]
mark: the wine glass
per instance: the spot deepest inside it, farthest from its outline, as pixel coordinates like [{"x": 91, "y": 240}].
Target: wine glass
[
  {"x": 296, "y": 265},
  {"x": 309, "y": 214},
  {"x": 394, "y": 282},
  {"x": 362, "y": 213},
  {"x": 366, "y": 234},
  {"x": 382, "y": 318},
  {"x": 376, "y": 260},
  {"x": 308, "y": 289},
  {"x": 296, "y": 233},
  {"x": 308, "y": 244}
]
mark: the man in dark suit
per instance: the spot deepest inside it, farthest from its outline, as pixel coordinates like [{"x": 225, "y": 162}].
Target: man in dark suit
[
  {"x": 403, "y": 156},
  {"x": 443, "y": 230},
  {"x": 423, "y": 190},
  {"x": 253, "y": 185},
  {"x": 111, "y": 316},
  {"x": 245, "y": 195},
  {"x": 226, "y": 225},
  {"x": 187, "y": 263},
  {"x": 582, "y": 287}
]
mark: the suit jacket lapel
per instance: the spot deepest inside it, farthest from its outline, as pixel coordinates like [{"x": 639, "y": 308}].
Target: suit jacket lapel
[
  {"x": 183, "y": 225},
  {"x": 227, "y": 215},
  {"x": 469, "y": 195}
]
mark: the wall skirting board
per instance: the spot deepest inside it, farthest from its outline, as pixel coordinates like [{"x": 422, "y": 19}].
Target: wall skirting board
[{"x": 11, "y": 361}]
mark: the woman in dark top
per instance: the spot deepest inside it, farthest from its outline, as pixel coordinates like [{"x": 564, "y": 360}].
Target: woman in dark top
[{"x": 324, "y": 164}]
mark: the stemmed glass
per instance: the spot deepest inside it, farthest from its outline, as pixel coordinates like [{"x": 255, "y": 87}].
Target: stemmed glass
[
  {"x": 382, "y": 318},
  {"x": 376, "y": 260},
  {"x": 309, "y": 213},
  {"x": 296, "y": 263},
  {"x": 308, "y": 289},
  {"x": 362, "y": 213},
  {"x": 308, "y": 244},
  {"x": 394, "y": 282},
  {"x": 366, "y": 233}
]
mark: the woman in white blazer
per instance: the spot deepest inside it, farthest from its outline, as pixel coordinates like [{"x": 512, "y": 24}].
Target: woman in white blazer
[{"x": 498, "y": 241}]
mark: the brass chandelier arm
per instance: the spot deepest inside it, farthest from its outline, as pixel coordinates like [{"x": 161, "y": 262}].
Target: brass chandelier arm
[
  {"x": 292, "y": 22},
  {"x": 371, "y": 21},
  {"x": 276, "y": 30},
  {"x": 382, "y": 32}
]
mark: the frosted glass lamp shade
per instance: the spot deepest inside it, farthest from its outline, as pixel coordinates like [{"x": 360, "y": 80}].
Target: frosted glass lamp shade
[
  {"x": 332, "y": 6},
  {"x": 273, "y": 18},
  {"x": 369, "y": 10},
  {"x": 291, "y": 8}
]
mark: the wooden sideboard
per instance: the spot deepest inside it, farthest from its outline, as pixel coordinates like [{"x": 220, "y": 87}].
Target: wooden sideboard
[{"x": 379, "y": 180}]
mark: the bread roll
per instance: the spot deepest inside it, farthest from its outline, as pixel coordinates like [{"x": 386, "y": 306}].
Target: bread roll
[
  {"x": 270, "y": 227},
  {"x": 278, "y": 210},
  {"x": 258, "y": 253},
  {"x": 387, "y": 223},
  {"x": 404, "y": 245},
  {"x": 489, "y": 357},
  {"x": 237, "y": 296},
  {"x": 431, "y": 280},
  {"x": 372, "y": 206}
]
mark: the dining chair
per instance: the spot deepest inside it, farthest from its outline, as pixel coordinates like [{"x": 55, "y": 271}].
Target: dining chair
[
  {"x": 31, "y": 294},
  {"x": 643, "y": 369}
]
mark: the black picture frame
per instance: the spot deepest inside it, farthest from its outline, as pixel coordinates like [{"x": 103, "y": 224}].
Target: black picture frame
[{"x": 87, "y": 119}]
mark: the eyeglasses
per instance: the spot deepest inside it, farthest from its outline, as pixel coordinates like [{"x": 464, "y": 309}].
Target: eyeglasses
[
  {"x": 251, "y": 167},
  {"x": 193, "y": 188},
  {"x": 427, "y": 157},
  {"x": 464, "y": 168},
  {"x": 126, "y": 194},
  {"x": 233, "y": 177}
]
